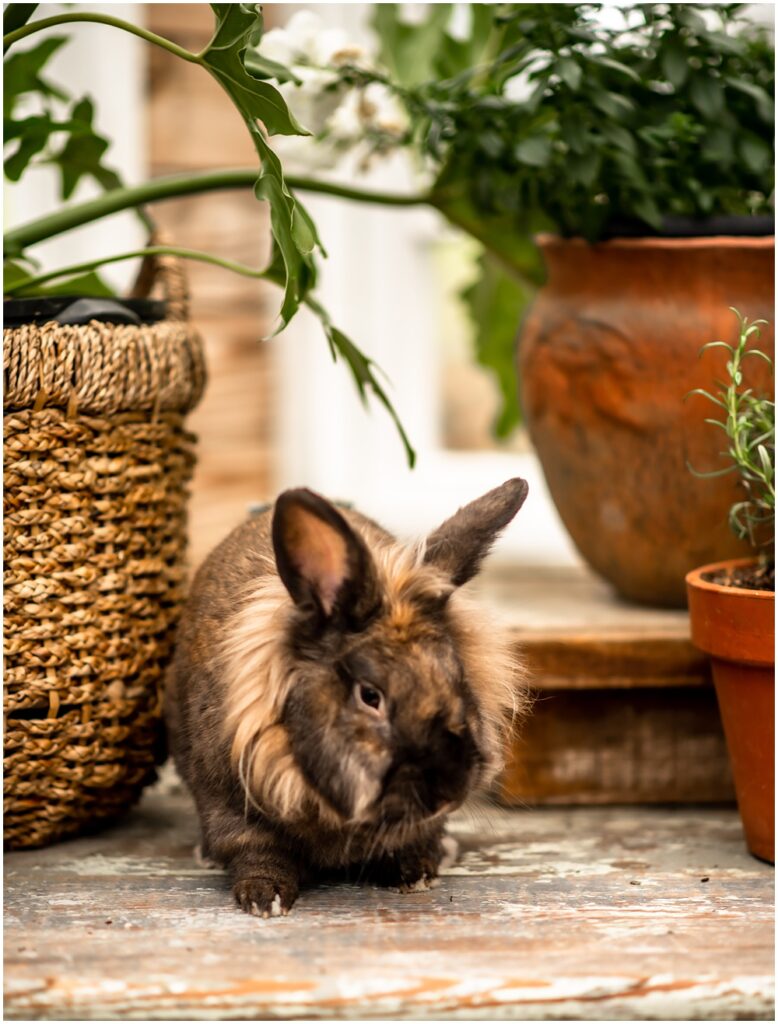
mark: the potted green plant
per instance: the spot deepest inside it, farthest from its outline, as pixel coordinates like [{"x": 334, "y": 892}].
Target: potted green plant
[
  {"x": 732, "y": 603},
  {"x": 622, "y": 161}
]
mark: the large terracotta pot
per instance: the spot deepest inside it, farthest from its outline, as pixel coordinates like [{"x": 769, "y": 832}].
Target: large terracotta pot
[
  {"x": 737, "y": 628},
  {"x": 608, "y": 351}
]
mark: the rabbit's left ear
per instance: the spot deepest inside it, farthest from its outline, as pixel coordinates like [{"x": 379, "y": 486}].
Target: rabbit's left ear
[
  {"x": 460, "y": 544},
  {"x": 323, "y": 562}
]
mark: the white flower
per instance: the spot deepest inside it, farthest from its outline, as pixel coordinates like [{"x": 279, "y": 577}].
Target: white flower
[
  {"x": 312, "y": 102},
  {"x": 339, "y": 116},
  {"x": 346, "y": 121},
  {"x": 276, "y": 45},
  {"x": 306, "y": 40},
  {"x": 383, "y": 111}
]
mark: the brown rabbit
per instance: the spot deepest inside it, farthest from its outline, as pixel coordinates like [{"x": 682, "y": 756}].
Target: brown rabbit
[{"x": 333, "y": 695}]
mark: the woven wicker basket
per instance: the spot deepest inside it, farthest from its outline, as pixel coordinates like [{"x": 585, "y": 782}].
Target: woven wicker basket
[{"x": 97, "y": 462}]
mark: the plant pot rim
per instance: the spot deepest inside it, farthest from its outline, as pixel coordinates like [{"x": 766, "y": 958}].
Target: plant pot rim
[
  {"x": 695, "y": 579},
  {"x": 19, "y": 311},
  {"x": 647, "y": 242}
]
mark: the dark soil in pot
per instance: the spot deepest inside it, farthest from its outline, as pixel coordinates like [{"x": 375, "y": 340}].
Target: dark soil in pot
[{"x": 748, "y": 577}]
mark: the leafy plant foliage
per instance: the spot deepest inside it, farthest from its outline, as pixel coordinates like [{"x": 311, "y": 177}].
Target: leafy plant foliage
[
  {"x": 59, "y": 132},
  {"x": 554, "y": 120},
  {"x": 542, "y": 118},
  {"x": 70, "y": 142},
  {"x": 748, "y": 421}
]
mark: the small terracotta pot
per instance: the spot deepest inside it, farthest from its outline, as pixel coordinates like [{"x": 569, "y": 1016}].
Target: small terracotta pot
[
  {"x": 736, "y": 627},
  {"x": 608, "y": 352}
]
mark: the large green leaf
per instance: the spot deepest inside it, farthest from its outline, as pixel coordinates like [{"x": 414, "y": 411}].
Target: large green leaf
[
  {"x": 82, "y": 151},
  {"x": 31, "y": 136},
  {"x": 763, "y": 103},
  {"x": 82, "y": 154},
  {"x": 230, "y": 57},
  {"x": 89, "y": 285},
  {"x": 13, "y": 275},
  {"x": 707, "y": 95},
  {"x": 361, "y": 368},
  {"x": 22, "y": 74},
  {"x": 674, "y": 61}
]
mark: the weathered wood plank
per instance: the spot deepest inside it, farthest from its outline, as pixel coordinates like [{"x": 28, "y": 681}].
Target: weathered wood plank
[
  {"x": 553, "y": 914},
  {"x": 600, "y": 659},
  {"x": 600, "y": 746},
  {"x": 576, "y": 634}
]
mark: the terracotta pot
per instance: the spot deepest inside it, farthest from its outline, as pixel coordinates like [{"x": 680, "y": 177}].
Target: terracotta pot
[
  {"x": 608, "y": 352},
  {"x": 737, "y": 628}
]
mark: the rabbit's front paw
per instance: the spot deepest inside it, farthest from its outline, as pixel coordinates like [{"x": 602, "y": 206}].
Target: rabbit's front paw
[
  {"x": 265, "y": 897},
  {"x": 414, "y": 869}
]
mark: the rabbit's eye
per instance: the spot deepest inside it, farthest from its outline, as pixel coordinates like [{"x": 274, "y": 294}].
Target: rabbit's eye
[{"x": 369, "y": 696}]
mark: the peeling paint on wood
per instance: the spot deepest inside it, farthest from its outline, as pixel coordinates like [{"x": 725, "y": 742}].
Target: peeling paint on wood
[{"x": 584, "y": 913}]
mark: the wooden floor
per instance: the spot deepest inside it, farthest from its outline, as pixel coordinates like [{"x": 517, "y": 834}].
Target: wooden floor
[{"x": 587, "y": 913}]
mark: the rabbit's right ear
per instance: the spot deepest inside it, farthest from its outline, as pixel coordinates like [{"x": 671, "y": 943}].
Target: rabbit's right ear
[
  {"x": 460, "y": 544},
  {"x": 324, "y": 564}
]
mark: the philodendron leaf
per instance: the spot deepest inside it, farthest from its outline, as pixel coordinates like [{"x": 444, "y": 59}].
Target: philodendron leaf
[
  {"x": 89, "y": 285},
  {"x": 231, "y": 57},
  {"x": 22, "y": 73},
  {"x": 366, "y": 381},
  {"x": 31, "y": 137},
  {"x": 14, "y": 275},
  {"x": 259, "y": 66},
  {"x": 238, "y": 30},
  {"x": 294, "y": 239},
  {"x": 362, "y": 371},
  {"x": 341, "y": 346},
  {"x": 82, "y": 154}
]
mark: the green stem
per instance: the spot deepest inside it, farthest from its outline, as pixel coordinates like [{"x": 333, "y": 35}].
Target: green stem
[
  {"x": 52, "y": 224},
  {"x": 152, "y": 250},
  {"x": 100, "y": 19},
  {"x": 359, "y": 195}
]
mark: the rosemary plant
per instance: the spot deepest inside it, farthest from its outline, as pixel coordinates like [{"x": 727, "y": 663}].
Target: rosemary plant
[{"x": 748, "y": 421}]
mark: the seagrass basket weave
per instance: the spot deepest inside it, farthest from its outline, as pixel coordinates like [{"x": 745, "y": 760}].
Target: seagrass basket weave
[{"x": 97, "y": 462}]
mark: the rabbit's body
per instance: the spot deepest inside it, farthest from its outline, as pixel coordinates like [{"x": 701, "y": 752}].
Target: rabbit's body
[{"x": 333, "y": 695}]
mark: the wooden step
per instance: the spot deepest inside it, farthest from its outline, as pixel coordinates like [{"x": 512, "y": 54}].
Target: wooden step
[{"x": 624, "y": 710}]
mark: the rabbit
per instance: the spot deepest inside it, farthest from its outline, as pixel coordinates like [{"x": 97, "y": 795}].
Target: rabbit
[{"x": 333, "y": 695}]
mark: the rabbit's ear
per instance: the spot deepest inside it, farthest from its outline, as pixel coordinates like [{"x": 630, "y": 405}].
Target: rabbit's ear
[
  {"x": 323, "y": 563},
  {"x": 460, "y": 544}
]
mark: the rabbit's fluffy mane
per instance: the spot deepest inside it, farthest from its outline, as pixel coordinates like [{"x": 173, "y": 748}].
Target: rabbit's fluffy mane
[{"x": 259, "y": 669}]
